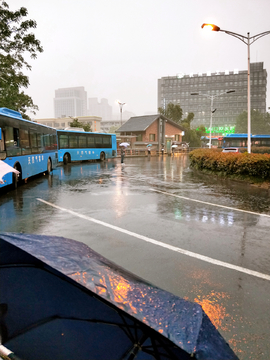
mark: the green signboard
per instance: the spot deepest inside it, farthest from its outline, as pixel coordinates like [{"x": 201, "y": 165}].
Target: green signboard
[{"x": 221, "y": 130}]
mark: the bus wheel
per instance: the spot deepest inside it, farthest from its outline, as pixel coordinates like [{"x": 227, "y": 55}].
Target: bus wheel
[
  {"x": 102, "y": 156},
  {"x": 49, "y": 166},
  {"x": 16, "y": 177},
  {"x": 66, "y": 159},
  {"x": 15, "y": 180}
]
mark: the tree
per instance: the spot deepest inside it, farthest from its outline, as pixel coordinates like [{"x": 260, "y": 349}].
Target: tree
[
  {"x": 113, "y": 129},
  {"x": 187, "y": 121},
  {"x": 260, "y": 123},
  {"x": 172, "y": 112},
  {"x": 16, "y": 40},
  {"x": 76, "y": 124},
  {"x": 86, "y": 127},
  {"x": 192, "y": 136}
]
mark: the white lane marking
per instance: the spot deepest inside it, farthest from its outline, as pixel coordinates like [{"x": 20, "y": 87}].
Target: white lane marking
[
  {"x": 166, "y": 246},
  {"x": 208, "y": 203}
]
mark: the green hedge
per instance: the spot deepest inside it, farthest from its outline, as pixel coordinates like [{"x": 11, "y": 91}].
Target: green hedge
[{"x": 240, "y": 164}]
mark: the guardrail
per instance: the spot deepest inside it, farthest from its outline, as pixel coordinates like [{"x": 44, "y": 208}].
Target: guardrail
[{"x": 134, "y": 152}]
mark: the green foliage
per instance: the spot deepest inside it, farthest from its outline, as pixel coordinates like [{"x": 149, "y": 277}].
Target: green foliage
[
  {"x": 187, "y": 121},
  {"x": 113, "y": 129},
  {"x": 175, "y": 113},
  {"x": 87, "y": 127},
  {"x": 16, "y": 40},
  {"x": 77, "y": 124},
  {"x": 172, "y": 112},
  {"x": 260, "y": 123},
  {"x": 239, "y": 164},
  {"x": 192, "y": 136}
]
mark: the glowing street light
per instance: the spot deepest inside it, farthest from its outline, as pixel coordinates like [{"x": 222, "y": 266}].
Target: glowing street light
[
  {"x": 212, "y": 97},
  {"x": 121, "y": 109},
  {"x": 248, "y": 41}
]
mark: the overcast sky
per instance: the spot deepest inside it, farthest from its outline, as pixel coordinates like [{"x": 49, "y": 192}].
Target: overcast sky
[{"x": 118, "y": 49}]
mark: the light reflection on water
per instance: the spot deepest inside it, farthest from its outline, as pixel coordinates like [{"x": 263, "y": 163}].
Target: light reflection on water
[
  {"x": 213, "y": 306},
  {"x": 215, "y": 303}
]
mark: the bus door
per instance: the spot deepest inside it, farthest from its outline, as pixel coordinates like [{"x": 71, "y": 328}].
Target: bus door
[
  {"x": 12, "y": 141},
  {"x": 2, "y": 145}
]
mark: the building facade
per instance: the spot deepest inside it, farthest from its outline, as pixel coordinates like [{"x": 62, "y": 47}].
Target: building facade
[
  {"x": 70, "y": 102},
  {"x": 107, "y": 125},
  {"x": 156, "y": 130},
  {"x": 178, "y": 89}
]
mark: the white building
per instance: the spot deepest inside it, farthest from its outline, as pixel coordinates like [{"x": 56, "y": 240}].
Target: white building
[
  {"x": 70, "y": 102},
  {"x": 62, "y": 123}
]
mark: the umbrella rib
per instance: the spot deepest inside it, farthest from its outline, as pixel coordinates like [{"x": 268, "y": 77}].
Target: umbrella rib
[
  {"x": 155, "y": 348},
  {"x": 167, "y": 347},
  {"x": 55, "y": 317},
  {"x": 127, "y": 327},
  {"x": 136, "y": 347}
]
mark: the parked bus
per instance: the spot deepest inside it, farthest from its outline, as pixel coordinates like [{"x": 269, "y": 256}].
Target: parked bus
[
  {"x": 240, "y": 140},
  {"x": 29, "y": 147},
  {"x": 216, "y": 141},
  {"x": 80, "y": 145}
]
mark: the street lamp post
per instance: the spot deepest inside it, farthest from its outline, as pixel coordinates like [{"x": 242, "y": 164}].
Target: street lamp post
[
  {"x": 121, "y": 110},
  {"x": 212, "y": 97},
  {"x": 248, "y": 41}
]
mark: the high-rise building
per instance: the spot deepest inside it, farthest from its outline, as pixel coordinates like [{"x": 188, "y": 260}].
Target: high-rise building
[
  {"x": 178, "y": 89},
  {"x": 70, "y": 102},
  {"x": 102, "y": 108}
]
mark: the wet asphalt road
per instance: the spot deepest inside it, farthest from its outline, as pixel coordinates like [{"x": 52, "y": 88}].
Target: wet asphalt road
[{"x": 173, "y": 227}]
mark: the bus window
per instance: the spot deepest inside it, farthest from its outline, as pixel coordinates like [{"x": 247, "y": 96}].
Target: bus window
[
  {"x": 24, "y": 142},
  {"x": 63, "y": 141},
  {"x": 98, "y": 141},
  {"x": 73, "y": 143},
  {"x": 33, "y": 139},
  {"x": 33, "y": 142},
  {"x": 39, "y": 143},
  {"x": 53, "y": 141},
  {"x": 47, "y": 143},
  {"x": 91, "y": 141},
  {"x": 107, "y": 141},
  {"x": 82, "y": 141}
]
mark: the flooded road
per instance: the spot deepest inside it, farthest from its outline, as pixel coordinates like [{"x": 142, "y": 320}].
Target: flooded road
[{"x": 201, "y": 238}]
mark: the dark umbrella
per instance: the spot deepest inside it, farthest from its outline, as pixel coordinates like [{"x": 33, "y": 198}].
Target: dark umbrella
[{"x": 64, "y": 301}]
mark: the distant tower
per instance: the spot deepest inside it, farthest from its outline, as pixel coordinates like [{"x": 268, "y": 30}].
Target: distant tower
[
  {"x": 102, "y": 109},
  {"x": 70, "y": 102}
]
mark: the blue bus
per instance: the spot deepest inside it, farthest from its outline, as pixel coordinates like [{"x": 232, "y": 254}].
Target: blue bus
[
  {"x": 29, "y": 147},
  {"x": 240, "y": 140},
  {"x": 80, "y": 145},
  {"x": 216, "y": 141}
]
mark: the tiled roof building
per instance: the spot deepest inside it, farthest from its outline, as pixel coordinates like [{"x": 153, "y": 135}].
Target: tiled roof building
[{"x": 151, "y": 129}]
